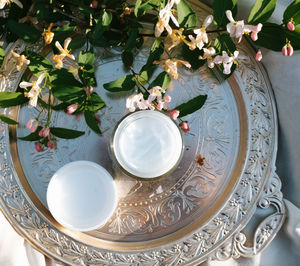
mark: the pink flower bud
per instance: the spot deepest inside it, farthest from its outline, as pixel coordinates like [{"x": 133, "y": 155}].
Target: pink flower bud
[
  {"x": 94, "y": 4},
  {"x": 97, "y": 118},
  {"x": 291, "y": 26},
  {"x": 51, "y": 145},
  {"x": 290, "y": 50},
  {"x": 89, "y": 90},
  {"x": 284, "y": 50},
  {"x": 184, "y": 126},
  {"x": 173, "y": 114},
  {"x": 71, "y": 108},
  {"x": 38, "y": 147},
  {"x": 160, "y": 106},
  {"x": 32, "y": 125},
  {"x": 167, "y": 98},
  {"x": 44, "y": 132},
  {"x": 258, "y": 56}
]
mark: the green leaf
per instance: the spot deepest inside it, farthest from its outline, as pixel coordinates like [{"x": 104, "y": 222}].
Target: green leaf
[
  {"x": 7, "y": 120},
  {"x": 127, "y": 58},
  {"x": 220, "y": 7},
  {"x": 33, "y": 136},
  {"x": 77, "y": 43},
  {"x": 65, "y": 86},
  {"x": 62, "y": 33},
  {"x": 86, "y": 58},
  {"x": 132, "y": 39},
  {"x": 272, "y": 36},
  {"x": 192, "y": 56},
  {"x": 2, "y": 55},
  {"x": 43, "y": 12},
  {"x": 95, "y": 103},
  {"x": 261, "y": 11},
  {"x": 65, "y": 133},
  {"x": 102, "y": 25},
  {"x": 141, "y": 8},
  {"x": 187, "y": 18},
  {"x": 87, "y": 71},
  {"x": 191, "y": 106},
  {"x": 38, "y": 64},
  {"x": 294, "y": 37},
  {"x": 157, "y": 49},
  {"x": 146, "y": 74},
  {"x": 8, "y": 99},
  {"x": 292, "y": 11},
  {"x": 125, "y": 83},
  {"x": 87, "y": 76},
  {"x": 224, "y": 43},
  {"x": 92, "y": 122},
  {"x": 24, "y": 31},
  {"x": 163, "y": 80},
  {"x": 85, "y": 10}
]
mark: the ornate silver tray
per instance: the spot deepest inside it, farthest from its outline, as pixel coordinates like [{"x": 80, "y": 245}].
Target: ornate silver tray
[{"x": 197, "y": 213}]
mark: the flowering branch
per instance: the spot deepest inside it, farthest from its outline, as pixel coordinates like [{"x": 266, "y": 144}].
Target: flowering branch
[{"x": 62, "y": 27}]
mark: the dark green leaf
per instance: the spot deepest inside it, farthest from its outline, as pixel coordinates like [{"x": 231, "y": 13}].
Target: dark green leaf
[
  {"x": 102, "y": 25},
  {"x": 292, "y": 11},
  {"x": 187, "y": 18},
  {"x": 141, "y": 7},
  {"x": 220, "y": 7},
  {"x": 65, "y": 133},
  {"x": 261, "y": 11},
  {"x": 132, "y": 39},
  {"x": 60, "y": 106},
  {"x": 163, "y": 80},
  {"x": 192, "y": 57},
  {"x": 224, "y": 43},
  {"x": 127, "y": 58},
  {"x": 38, "y": 64},
  {"x": 85, "y": 10},
  {"x": 43, "y": 12},
  {"x": 7, "y": 120},
  {"x": 125, "y": 83},
  {"x": 95, "y": 103},
  {"x": 156, "y": 51},
  {"x": 294, "y": 37},
  {"x": 65, "y": 86},
  {"x": 191, "y": 106},
  {"x": 77, "y": 43},
  {"x": 146, "y": 74},
  {"x": 33, "y": 136},
  {"x": 62, "y": 33},
  {"x": 271, "y": 36},
  {"x": 87, "y": 76},
  {"x": 8, "y": 99},
  {"x": 92, "y": 122},
  {"x": 24, "y": 31}
]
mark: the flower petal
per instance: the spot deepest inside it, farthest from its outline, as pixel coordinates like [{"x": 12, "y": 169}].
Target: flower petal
[
  {"x": 67, "y": 42},
  {"x": 209, "y": 19},
  {"x": 229, "y": 16},
  {"x": 25, "y": 84}
]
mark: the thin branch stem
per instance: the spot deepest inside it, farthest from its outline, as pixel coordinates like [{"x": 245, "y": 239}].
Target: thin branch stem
[{"x": 137, "y": 78}]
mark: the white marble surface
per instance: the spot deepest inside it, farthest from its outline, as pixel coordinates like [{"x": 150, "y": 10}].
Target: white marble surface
[{"x": 284, "y": 74}]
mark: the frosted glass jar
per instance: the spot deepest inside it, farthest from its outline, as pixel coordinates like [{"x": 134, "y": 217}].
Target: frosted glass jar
[{"x": 147, "y": 144}]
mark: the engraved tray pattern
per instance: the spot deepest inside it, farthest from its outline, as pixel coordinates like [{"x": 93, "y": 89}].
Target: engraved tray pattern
[{"x": 150, "y": 210}]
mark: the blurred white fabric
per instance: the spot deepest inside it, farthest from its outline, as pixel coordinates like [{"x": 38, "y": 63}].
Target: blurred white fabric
[{"x": 285, "y": 248}]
